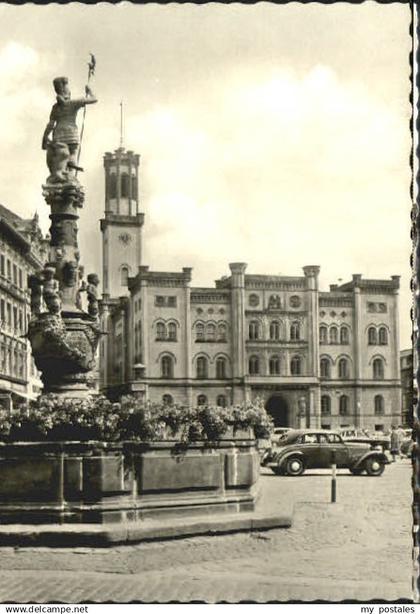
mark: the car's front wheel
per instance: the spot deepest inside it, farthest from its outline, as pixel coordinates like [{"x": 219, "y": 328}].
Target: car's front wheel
[
  {"x": 294, "y": 466},
  {"x": 374, "y": 467}
]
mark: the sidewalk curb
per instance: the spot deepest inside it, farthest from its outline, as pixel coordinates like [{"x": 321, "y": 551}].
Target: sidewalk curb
[{"x": 74, "y": 535}]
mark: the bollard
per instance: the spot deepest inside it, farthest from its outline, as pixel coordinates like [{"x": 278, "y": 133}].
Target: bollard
[{"x": 333, "y": 477}]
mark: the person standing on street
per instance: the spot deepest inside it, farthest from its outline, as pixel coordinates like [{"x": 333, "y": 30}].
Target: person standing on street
[{"x": 395, "y": 443}]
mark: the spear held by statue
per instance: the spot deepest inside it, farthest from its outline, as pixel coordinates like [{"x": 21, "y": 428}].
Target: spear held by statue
[{"x": 88, "y": 91}]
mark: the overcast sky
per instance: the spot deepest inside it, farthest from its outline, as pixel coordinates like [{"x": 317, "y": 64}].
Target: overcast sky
[{"x": 277, "y": 135}]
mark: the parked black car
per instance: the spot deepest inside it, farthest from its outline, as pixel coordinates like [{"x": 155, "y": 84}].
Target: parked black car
[{"x": 299, "y": 450}]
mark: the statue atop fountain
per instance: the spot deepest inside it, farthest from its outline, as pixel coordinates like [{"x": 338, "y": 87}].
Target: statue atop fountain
[{"x": 64, "y": 338}]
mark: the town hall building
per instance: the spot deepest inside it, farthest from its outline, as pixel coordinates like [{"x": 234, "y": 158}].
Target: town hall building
[{"x": 318, "y": 359}]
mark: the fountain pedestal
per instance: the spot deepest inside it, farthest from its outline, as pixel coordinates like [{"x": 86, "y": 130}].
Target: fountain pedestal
[{"x": 64, "y": 338}]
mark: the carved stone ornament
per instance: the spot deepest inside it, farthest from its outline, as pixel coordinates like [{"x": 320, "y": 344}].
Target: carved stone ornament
[
  {"x": 61, "y": 350},
  {"x": 125, "y": 238},
  {"x": 274, "y": 302},
  {"x": 254, "y": 300},
  {"x": 295, "y": 301}
]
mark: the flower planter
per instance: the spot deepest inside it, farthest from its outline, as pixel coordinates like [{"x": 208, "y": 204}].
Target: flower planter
[{"x": 96, "y": 482}]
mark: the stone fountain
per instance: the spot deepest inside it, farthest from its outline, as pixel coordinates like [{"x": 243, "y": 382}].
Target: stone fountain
[{"x": 63, "y": 336}]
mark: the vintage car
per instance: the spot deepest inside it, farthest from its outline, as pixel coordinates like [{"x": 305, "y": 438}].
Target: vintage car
[
  {"x": 381, "y": 439},
  {"x": 265, "y": 446},
  {"x": 299, "y": 450},
  {"x": 360, "y": 436},
  {"x": 278, "y": 433}
]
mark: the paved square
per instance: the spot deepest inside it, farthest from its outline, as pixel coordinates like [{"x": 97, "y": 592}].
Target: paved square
[{"x": 358, "y": 548}]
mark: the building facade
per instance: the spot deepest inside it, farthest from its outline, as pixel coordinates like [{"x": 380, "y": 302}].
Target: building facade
[
  {"x": 408, "y": 387},
  {"x": 22, "y": 252},
  {"x": 316, "y": 358}
]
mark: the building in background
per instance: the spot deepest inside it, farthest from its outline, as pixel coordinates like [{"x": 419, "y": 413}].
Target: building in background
[
  {"x": 316, "y": 358},
  {"x": 407, "y": 386},
  {"x": 22, "y": 252}
]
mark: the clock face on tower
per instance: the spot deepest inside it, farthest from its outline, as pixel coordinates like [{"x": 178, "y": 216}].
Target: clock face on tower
[{"x": 125, "y": 238}]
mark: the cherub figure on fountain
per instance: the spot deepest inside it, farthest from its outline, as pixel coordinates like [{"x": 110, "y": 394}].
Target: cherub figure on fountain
[
  {"x": 51, "y": 291},
  {"x": 92, "y": 294}
]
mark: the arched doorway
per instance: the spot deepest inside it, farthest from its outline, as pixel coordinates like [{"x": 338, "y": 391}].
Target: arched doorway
[{"x": 278, "y": 409}]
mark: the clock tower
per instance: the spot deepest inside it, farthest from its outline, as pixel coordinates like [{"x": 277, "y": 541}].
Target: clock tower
[{"x": 122, "y": 225}]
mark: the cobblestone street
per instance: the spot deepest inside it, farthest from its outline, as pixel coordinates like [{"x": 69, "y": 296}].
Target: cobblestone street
[{"x": 359, "y": 548}]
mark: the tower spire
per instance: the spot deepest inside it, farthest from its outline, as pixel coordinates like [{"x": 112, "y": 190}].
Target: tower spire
[{"x": 121, "y": 124}]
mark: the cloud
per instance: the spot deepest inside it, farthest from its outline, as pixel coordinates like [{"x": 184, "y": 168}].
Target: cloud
[
  {"x": 20, "y": 96},
  {"x": 253, "y": 168},
  {"x": 255, "y": 144}
]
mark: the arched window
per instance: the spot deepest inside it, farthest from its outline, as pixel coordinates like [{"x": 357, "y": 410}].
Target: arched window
[
  {"x": 325, "y": 368},
  {"x": 113, "y": 186},
  {"x": 383, "y": 336},
  {"x": 295, "y": 331},
  {"x": 139, "y": 334},
  {"x": 222, "y": 332},
  {"x": 274, "y": 331},
  {"x": 211, "y": 332},
  {"x": 274, "y": 365},
  {"x": 323, "y": 334},
  {"x": 379, "y": 405},
  {"x": 344, "y": 405},
  {"x": 343, "y": 368},
  {"x": 254, "y": 365},
  {"x": 124, "y": 275},
  {"x": 15, "y": 361},
  {"x": 124, "y": 185},
  {"x": 201, "y": 399},
  {"x": 167, "y": 366},
  {"x": 221, "y": 400},
  {"x": 325, "y": 405},
  {"x": 372, "y": 340},
  {"x": 3, "y": 359},
  {"x": 9, "y": 359},
  {"x": 221, "y": 368},
  {"x": 167, "y": 399},
  {"x": 296, "y": 365},
  {"x": 21, "y": 364},
  {"x": 172, "y": 331},
  {"x": 202, "y": 368},
  {"x": 333, "y": 334},
  {"x": 160, "y": 331},
  {"x": 254, "y": 330},
  {"x": 199, "y": 332},
  {"x": 378, "y": 368},
  {"x": 133, "y": 187},
  {"x": 344, "y": 335}
]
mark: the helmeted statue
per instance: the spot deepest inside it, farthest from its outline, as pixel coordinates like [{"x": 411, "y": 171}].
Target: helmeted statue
[{"x": 63, "y": 148}]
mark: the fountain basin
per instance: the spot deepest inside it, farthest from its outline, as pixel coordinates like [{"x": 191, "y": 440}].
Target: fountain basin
[{"x": 96, "y": 482}]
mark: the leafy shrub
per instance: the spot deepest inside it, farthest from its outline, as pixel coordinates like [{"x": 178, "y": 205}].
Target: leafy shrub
[{"x": 55, "y": 418}]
